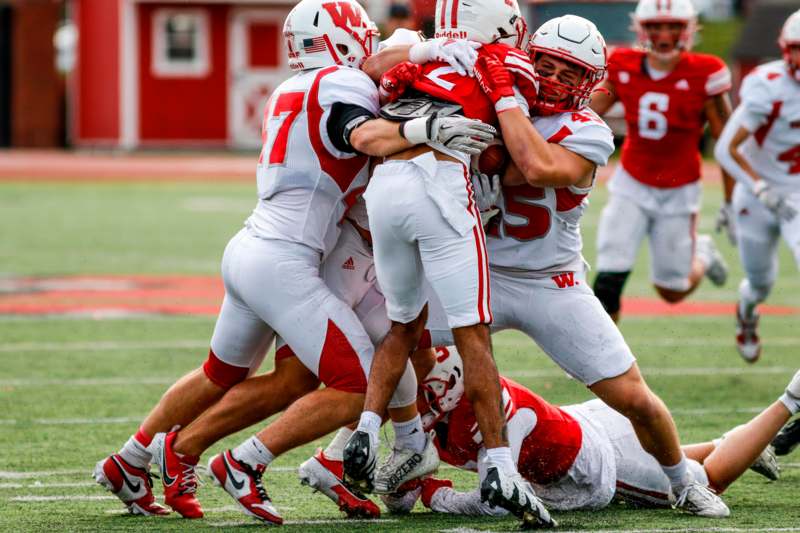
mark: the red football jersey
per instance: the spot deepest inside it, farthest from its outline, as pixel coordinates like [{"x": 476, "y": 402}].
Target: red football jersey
[
  {"x": 547, "y": 452},
  {"x": 441, "y": 81},
  {"x": 665, "y": 117}
]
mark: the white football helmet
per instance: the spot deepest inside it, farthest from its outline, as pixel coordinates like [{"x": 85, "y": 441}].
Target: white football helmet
[
  {"x": 442, "y": 388},
  {"x": 321, "y": 33},
  {"x": 790, "y": 36},
  {"x": 483, "y": 21},
  {"x": 653, "y": 11},
  {"x": 576, "y": 40}
]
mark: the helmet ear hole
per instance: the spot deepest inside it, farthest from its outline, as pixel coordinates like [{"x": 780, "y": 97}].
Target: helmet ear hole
[{"x": 342, "y": 48}]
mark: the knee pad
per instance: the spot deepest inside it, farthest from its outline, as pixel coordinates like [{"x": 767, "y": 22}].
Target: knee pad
[
  {"x": 608, "y": 289},
  {"x": 223, "y": 374}
]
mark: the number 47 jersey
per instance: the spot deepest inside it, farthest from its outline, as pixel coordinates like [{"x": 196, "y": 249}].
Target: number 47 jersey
[
  {"x": 306, "y": 183},
  {"x": 540, "y": 229}
]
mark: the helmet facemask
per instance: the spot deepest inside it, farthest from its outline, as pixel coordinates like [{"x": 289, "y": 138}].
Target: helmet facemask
[
  {"x": 564, "y": 84},
  {"x": 681, "y": 33}
]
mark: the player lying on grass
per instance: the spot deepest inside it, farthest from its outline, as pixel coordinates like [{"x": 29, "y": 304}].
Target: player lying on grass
[
  {"x": 578, "y": 456},
  {"x": 760, "y": 147},
  {"x": 319, "y": 128}
]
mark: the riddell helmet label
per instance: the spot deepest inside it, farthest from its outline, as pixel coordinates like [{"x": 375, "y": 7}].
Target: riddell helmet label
[{"x": 452, "y": 34}]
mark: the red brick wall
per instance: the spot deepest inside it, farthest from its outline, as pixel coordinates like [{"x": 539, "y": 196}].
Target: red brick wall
[{"x": 37, "y": 91}]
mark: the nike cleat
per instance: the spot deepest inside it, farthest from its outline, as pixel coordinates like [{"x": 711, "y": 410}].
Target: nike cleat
[
  {"x": 404, "y": 465},
  {"x": 325, "y": 475},
  {"x": 747, "y": 341},
  {"x": 767, "y": 464},
  {"x": 514, "y": 494},
  {"x": 177, "y": 475},
  {"x": 698, "y": 500},
  {"x": 131, "y": 484},
  {"x": 359, "y": 458},
  {"x": 717, "y": 269},
  {"x": 787, "y": 438},
  {"x": 244, "y": 484}
]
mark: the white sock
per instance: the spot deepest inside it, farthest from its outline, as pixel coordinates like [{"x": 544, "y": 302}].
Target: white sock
[
  {"x": 336, "y": 447},
  {"x": 679, "y": 475},
  {"x": 501, "y": 457},
  {"x": 409, "y": 435},
  {"x": 253, "y": 452},
  {"x": 791, "y": 402},
  {"x": 135, "y": 454},
  {"x": 370, "y": 423},
  {"x": 750, "y": 297}
]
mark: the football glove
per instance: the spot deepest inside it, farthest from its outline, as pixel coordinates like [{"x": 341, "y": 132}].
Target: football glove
[
  {"x": 774, "y": 201},
  {"x": 460, "y": 54},
  {"x": 496, "y": 82},
  {"x": 727, "y": 222},
  {"x": 397, "y": 79},
  {"x": 453, "y": 131},
  {"x": 487, "y": 192}
]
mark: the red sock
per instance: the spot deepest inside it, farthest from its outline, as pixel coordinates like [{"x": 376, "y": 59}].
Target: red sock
[{"x": 143, "y": 438}]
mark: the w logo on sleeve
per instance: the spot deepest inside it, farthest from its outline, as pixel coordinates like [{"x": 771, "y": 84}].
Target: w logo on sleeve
[{"x": 565, "y": 279}]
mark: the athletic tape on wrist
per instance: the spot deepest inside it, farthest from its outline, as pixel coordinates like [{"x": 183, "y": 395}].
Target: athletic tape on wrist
[
  {"x": 419, "y": 53},
  {"x": 506, "y": 103},
  {"x": 418, "y": 130}
]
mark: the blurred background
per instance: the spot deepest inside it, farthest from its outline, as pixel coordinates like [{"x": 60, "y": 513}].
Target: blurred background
[{"x": 131, "y": 74}]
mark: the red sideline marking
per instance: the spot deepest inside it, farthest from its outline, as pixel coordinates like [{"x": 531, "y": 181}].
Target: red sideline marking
[
  {"x": 202, "y": 295},
  {"x": 656, "y": 307}
]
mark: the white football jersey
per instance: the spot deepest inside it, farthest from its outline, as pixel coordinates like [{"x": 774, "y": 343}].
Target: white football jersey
[
  {"x": 540, "y": 229},
  {"x": 770, "y": 108},
  {"x": 305, "y": 184}
]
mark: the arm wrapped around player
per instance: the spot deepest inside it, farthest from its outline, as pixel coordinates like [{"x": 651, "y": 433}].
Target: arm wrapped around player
[
  {"x": 459, "y": 54},
  {"x": 453, "y": 131}
]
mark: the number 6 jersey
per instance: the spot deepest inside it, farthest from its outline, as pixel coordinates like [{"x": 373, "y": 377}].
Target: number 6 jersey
[
  {"x": 665, "y": 117},
  {"x": 306, "y": 183},
  {"x": 540, "y": 228}
]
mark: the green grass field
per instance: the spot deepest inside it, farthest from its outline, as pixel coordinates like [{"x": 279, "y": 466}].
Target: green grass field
[{"x": 73, "y": 389}]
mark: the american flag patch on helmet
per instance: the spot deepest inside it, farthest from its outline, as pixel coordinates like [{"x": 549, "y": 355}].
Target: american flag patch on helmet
[{"x": 316, "y": 44}]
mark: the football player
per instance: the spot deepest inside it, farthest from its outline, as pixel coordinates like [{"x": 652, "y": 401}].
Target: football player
[
  {"x": 319, "y": 128},
  {"x": 425, "y": 225},
  {"x": 760, "y": 147},
  {"x": 577, "y": 456},
  {"x": 670, "y": 93}
]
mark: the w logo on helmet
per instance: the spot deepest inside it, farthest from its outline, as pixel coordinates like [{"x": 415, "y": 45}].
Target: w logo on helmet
[{"x": 343, "y": 14}]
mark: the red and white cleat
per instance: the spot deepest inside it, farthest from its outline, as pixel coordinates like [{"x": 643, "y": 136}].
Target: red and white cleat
[
  {"x": 131, "y": 484},
  {"x": 178, "y": 477},
  {"x": 747, "y": 340},
  {"x": 325, "y": 475},
  {"x": 244, "y": 484}
]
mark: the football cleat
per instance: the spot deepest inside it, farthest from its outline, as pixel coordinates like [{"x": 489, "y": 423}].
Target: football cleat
[
  {"x": 698, "y": 500},
  {"x": 404, "y": 465},
  {"x": 178, "y": 477},
  {"x": 717, "y": 269},
  {"x": 747, "y": 341},
  {"x": 787, "y": 438},
  {"x": 514, "y": 494},
  {"x": 244, "y": 484},
  {"x": 325, "y": 475},
  {"x": 767, "y": 464},
  {"x": 358, "y": 461},
  {"x": 131, "y": 484}
]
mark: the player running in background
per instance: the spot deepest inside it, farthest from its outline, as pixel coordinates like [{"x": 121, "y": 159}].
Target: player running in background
[
  {"x": 425, "y": 225},
  {"x": 760, "y": 147},
  {"x": 670, "y": 93},
  {"x": 318, "y": 127},
  {"x": 577, "y": 456}
]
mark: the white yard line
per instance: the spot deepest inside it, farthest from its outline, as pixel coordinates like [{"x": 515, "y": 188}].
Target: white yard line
[
  {"x": 102, "y": 346},
  {"x": 87, "y": 382},
  {"x": 40, "y": 485},
  {"x": 658, "y": 530},
  {"x": 354, "y": 522},
  {"x": 5, "y": 474},
  {"x": 30, "y": 498}
]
